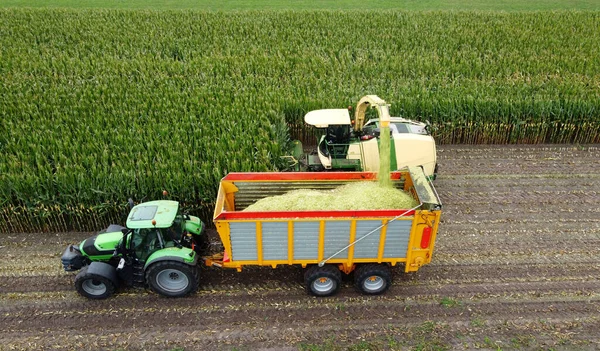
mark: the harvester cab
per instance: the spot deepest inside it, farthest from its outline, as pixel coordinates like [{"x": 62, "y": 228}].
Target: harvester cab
[
  {"x": 160, "y": 247},
  {"x": 333, "y": 145},
  {"x": 353, "y": 145}
]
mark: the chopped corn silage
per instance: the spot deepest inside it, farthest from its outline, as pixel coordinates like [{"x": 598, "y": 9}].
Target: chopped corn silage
[
  {"x": 352, "y": 196},
  {"x": 384, "y": 157}
]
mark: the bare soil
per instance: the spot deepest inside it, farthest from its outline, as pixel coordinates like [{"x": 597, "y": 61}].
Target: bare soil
[{"x": 516, "y": 266}]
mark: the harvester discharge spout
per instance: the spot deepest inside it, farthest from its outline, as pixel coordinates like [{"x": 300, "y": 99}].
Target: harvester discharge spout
[{"x": 373, "y": 101}]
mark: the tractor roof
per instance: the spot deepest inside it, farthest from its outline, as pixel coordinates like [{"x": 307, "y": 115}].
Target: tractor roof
[{"x": 161, "y": 211}]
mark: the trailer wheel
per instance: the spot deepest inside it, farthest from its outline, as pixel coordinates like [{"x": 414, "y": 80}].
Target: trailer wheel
[
  {"x": 172, "y": 278},
  {"x": 94, "y": 284},
  {"x": 322, "y": 281},
  {"x": 372, "y": 279}
]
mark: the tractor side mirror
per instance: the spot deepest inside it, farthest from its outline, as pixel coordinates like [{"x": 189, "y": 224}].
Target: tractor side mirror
[{"x": 130, "y": 202}]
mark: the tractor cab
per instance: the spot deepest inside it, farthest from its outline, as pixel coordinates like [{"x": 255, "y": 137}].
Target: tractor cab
[
  {"x": 153, "y": 227},
  {"x": 160, "y": 224}
]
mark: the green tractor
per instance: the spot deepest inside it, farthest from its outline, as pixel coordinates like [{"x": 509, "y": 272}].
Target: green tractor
[{"x": 159, "y": 248}]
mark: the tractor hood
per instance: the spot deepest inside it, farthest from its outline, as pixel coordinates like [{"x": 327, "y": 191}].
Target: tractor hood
[{"x": 159, "y": 214}]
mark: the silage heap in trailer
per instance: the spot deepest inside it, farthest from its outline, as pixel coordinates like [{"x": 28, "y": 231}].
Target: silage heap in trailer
[
  {"x": 325, "y": 234},
  {"x": 366, "y": 195}
]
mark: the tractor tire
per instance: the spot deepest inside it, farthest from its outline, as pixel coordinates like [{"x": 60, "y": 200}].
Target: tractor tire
[
  {"x": 323, "y": 281},
  {"x": 172, "y": 278},
  {"x": 372, "y": 279},
  {"x": 96, "y": 281}
]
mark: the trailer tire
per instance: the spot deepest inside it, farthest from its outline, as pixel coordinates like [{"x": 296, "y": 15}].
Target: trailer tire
[
  {"x": 323, "y": 281},
  {"x": 372, "y": 279},
  {"x": 96, "y": 281},
  {"x": 172, "y": 278}
]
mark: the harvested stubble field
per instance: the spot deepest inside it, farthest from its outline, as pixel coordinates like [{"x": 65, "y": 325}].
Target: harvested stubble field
[{"x": 517, "y": 266}]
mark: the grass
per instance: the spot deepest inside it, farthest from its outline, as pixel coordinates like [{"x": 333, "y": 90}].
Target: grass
[
  {"x": 478, "y": 322},
  {"x": 233, "y": 5},
  {"x": 450, "y": 302},
  {"x": 521, "y": 341}
]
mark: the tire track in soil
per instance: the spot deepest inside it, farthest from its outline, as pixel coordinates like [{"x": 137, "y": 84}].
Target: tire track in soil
[
  {"x": 454, "y": 273},
  {"x": 152, "y": 314},
  {"x": 272, "y": 337},
  {"x": 260, "y": 321},
  {"x": 517, "y": 254}
]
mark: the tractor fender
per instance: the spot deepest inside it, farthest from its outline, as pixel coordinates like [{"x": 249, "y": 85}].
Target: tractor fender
[
  {"x": 104, "y": 270},
  {"x": 195, "y": 226},
  {"x": 184, "y": 255}
]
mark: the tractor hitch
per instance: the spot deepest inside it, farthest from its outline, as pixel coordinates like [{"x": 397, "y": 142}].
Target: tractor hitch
[{"x": 72, "y": 259}]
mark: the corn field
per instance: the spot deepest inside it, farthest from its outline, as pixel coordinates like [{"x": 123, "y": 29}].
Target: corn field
[{"x": 100, "y": 105}]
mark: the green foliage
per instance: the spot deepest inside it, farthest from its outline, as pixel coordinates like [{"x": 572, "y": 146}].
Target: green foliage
[
  {"x": 236, "y": 5},
  {"x": 450, "y": 302},
  {"x": 100, "y": 105},
  {"x": 332, "y": 345},
  {"x": 477, "y": 322}
]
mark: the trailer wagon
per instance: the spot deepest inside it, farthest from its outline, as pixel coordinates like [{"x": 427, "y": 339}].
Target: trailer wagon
[{"x": 326, "y": 243}]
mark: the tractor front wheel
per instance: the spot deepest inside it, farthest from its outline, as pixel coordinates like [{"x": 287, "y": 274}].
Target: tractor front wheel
[
  {"x": 93, "y": 284},
  {"x": 172, "y": 278}
]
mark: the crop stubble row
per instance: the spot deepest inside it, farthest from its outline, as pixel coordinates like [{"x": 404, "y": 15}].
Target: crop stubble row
[{"x": 521, "y": 278}]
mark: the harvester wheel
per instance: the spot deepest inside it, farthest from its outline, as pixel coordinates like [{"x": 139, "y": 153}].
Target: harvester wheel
[
  {"x": 172, "y": 278},
  {"x": 322, "y": 281},
  {"x": 372, "y": 279},
  {"x": 94, "y": 285}
]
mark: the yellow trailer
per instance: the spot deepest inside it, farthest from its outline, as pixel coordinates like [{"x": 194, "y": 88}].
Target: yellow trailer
[{"x": 326, "y": 243}]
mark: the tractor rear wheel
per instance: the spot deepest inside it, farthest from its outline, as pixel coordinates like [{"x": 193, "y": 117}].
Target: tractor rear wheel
[
  {"x": 323, "y": 281},
  {"x": 172, "y": 278},
  {"x": 93, "y": 285},
  {"x": 372, "y": 279}
]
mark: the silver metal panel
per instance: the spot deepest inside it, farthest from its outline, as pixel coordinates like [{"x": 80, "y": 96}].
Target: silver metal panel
[
  {"x": 306, "y": 240},
  {"x": 250, "y": 192},
  {"x": 275, "y": 240},
  {"x": 243, "y": 241},
  {"x": 337, "y": 236},
  {"x": 369, "y": 246},
  {"x": 396, "y": 239},
  {"x": 424, "y": 189}
]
